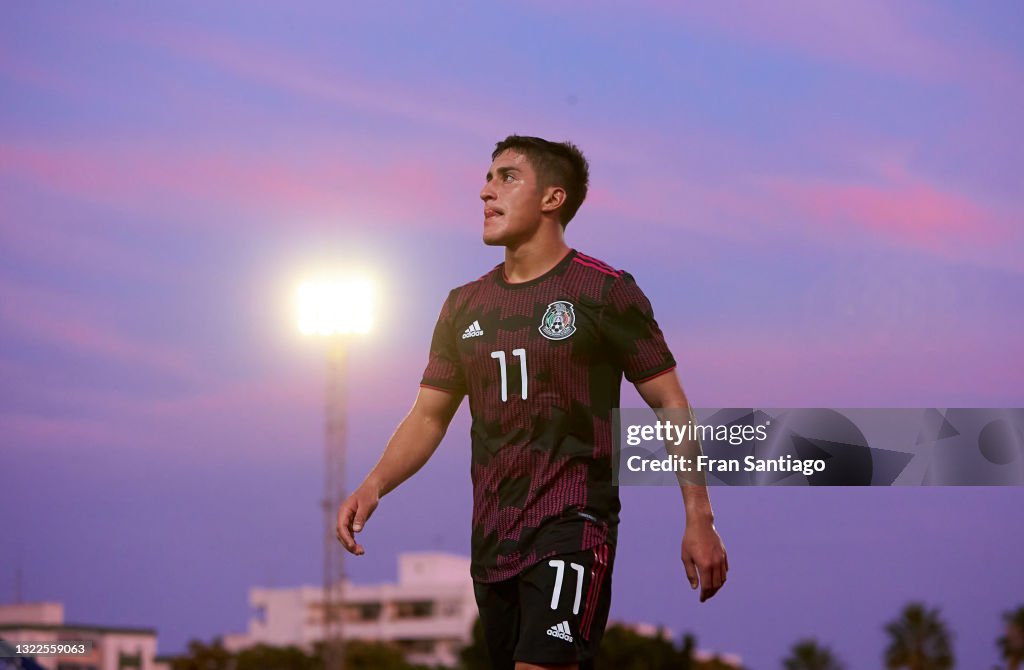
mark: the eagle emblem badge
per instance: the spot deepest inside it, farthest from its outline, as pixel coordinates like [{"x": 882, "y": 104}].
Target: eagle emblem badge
[{"x": 559, "y": 321}]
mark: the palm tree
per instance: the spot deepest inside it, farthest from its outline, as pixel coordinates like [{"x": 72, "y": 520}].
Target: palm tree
[
  {"x": 918, "y": 640},
  {"x": 809, "y": 655},
  {"x": 1012, "y": 644}
]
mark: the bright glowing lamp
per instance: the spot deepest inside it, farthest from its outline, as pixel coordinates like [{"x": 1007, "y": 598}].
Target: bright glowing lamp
[{"x": 335, "y": 306}]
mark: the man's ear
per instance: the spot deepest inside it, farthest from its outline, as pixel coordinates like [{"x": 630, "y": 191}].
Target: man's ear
[{"x": 554, "y": 197}]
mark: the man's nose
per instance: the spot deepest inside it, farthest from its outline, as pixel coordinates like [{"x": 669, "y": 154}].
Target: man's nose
[{"x": 487, "y": 192}]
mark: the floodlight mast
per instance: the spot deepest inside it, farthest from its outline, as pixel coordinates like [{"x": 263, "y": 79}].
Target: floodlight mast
[
  {"x": 335, "y": 446},
  {"x": 334, "y": 310}
]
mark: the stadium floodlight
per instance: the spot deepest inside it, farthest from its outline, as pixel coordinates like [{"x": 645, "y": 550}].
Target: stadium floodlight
[{"x": 335, "y": 306}]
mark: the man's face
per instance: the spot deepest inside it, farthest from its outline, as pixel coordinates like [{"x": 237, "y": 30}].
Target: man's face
[{"x": 512, "y": 200}]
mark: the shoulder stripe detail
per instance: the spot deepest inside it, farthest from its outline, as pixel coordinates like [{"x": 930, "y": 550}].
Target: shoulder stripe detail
[
  {"x": 599, "y": 268},
  {"x": 595, "y": 261}
]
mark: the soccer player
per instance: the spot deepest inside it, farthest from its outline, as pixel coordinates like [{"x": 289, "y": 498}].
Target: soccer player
[{"x": 540, "y": 344}]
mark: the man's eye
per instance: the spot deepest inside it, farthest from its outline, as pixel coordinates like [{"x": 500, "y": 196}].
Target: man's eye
[{"x": 507, "y": 177}]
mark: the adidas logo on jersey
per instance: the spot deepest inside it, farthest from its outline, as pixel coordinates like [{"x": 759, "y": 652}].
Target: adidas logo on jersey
[
  {"x": 474, "y": 330},
  {"x": 561, "y": 631}
]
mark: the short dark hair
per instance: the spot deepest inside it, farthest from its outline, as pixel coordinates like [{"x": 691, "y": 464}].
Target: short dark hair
[{"x": 556, "y": 164}]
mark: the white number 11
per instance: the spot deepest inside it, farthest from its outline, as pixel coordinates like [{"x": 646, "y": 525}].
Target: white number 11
[
  {"x": 559, "y": 566},
  {"x": 500, "y": 355}
]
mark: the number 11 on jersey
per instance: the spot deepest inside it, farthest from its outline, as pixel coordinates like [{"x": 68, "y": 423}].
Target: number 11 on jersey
[{"x": 500, "y": 355}]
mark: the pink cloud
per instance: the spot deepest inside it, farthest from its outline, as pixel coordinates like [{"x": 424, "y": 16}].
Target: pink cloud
[
  {"x": 38, "y": 76},
  {"x": 915, "y": 214},
  {"x": 61, "y": 432},
  {"x": 435, "y": 101},
  {"x": 276, "y": 418},
  {"x": 826, "y": 367},
  {"x": 290, "y": 74},
  {"x": 37, "y": 236},
  {"x": 320, "y": 184},
  {"x": 864, "y": 33},
  {"x": 873, "y": 34},
  {"x": 240, "y": 398},
  {"x": 223, "y": 420},
  {"x": 64, "y": 323},
  {"x": 886, "y": 203}
]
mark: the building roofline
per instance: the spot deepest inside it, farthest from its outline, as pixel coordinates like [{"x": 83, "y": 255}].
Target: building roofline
[{"x": 77, "y": 627}]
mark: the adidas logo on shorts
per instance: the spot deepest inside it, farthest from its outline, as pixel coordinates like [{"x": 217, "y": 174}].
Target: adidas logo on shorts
[
  {"x": 561, "y": 631},
  {"x": 474, "y": 330}
]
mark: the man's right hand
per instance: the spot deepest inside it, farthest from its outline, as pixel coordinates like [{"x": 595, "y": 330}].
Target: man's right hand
[
  {"x": 353, "y": 514},
  {"x": 414, "y": 441}
]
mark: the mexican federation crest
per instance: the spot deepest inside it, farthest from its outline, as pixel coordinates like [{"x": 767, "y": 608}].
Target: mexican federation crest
[{"x": 559, "y": 322}]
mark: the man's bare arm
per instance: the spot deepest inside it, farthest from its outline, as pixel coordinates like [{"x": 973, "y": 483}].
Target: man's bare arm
[
  {"x": 412, "y": 444},
  {"x": 702, "y": 550}
]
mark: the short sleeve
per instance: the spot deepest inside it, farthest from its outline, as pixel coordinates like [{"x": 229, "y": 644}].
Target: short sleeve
[
  {"x": 629, "y": 327},
  {"x": 444, "y": 369}
]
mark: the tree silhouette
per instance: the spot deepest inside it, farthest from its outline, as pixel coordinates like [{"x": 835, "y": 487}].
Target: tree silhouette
[
  {"x": 625, "y": 649},
  {"x": 366, "y": 655},
  {"x": 918, "y": 640},
  {"x": 1012, "y": 644},
  {"x": 359, "y": 655},
  {"x": 807, "y": 654},
  {"x": 621, "y": 649},
  {"x": 474, "y": 655},
  {"x": 204, "y": 657},
  {"x": 265, "y": 657}
]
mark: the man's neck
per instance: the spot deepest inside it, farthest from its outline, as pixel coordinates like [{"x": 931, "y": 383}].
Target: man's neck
[{"x": 532, "y": 259}]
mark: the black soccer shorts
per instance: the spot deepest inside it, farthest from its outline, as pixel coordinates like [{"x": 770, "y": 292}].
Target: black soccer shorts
[{"x": 553, "y": 612}]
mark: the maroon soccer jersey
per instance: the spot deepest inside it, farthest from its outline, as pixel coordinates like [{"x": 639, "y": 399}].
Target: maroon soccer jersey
[{"x": 542, "y": 362}]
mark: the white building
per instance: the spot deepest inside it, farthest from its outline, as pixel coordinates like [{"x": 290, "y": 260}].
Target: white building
[
  {"x": 731, "y": 660},
  {"x": 429, "y": 613},
  {"x": 113, "y": 648}
]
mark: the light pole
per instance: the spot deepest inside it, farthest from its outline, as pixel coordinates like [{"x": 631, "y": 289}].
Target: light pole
[{"x": 334, "y": 309}]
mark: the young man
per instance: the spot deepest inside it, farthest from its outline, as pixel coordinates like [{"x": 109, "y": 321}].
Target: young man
[{"x": 540, "y": 344}]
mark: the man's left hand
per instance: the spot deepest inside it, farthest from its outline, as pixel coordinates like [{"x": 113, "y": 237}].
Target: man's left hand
[{"x": 704, "y": 555}]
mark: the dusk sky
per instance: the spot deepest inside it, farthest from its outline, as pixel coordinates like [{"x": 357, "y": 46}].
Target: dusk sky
[{"x": 823, "y": 200}]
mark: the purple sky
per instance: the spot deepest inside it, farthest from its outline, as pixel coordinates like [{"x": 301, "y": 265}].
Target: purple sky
[{"x": 823, "y": 201}]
